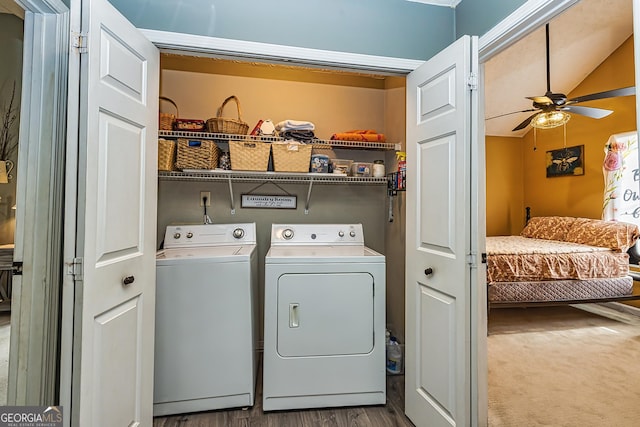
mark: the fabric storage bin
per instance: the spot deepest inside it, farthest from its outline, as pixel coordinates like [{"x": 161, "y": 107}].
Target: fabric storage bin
[
  {"x": 196, "y": 154},
  {"x": 166, "y": 155},
  {"x": 249, "y": 155},
  {"x": 291, "y": 157},
  {"x": 189, "y": 125}
]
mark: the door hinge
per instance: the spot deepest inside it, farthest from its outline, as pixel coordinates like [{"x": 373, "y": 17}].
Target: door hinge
[
  {"x": 471, "y": 260},
  {"x": 80, "y": 42},
  {"x": 472, "y": 81},
  {"x": 75, "y": 268}
]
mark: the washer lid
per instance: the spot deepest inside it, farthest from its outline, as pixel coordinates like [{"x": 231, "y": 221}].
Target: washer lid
[
  {"x": 229, "y": 253},
  {"x": 322, "y": 254}
]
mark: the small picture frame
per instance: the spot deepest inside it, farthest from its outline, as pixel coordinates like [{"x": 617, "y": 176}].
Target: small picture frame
[{"x": 567, "y": 161}]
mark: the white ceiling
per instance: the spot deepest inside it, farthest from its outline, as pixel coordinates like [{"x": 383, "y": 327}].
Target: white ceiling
[{"x": 580, "y": 39}]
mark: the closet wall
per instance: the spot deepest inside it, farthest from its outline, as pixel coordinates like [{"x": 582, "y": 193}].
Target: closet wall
[{"x": 334, "y": 101}]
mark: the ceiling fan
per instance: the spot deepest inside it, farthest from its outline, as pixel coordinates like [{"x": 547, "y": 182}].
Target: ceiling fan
[{"x": 551, "y": 109}]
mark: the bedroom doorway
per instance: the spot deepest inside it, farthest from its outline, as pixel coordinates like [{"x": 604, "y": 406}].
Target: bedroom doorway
[{"x": 516, "y": 160}]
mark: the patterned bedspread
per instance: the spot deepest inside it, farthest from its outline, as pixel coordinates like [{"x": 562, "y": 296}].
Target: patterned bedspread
[{"x": 516, "y": 258}]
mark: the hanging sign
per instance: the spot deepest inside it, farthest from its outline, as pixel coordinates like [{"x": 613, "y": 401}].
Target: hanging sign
[{"x": 264, "y": 201}]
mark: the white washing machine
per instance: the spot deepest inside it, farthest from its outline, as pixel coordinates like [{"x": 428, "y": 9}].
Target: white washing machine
[
  {"x": 205, "y": 337},
  {"x": 324, "y": 318}
]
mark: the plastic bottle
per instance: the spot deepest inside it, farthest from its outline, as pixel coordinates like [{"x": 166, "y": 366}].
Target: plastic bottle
[
  {"x": 394, "y": 357},
  {"x": 378, "y": 168},
  {"x": 402, "y": 169}
]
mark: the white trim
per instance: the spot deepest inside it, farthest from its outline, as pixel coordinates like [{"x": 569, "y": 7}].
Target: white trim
[
  {"x": 213, "y": 46},
  {"x": 449, "y": 3},
  {"x": 33, "y": 358},
  {"x": 521, "y": 22}
]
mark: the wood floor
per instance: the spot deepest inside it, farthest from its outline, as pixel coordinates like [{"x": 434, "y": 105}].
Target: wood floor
[{"x": 389, "y": 415}]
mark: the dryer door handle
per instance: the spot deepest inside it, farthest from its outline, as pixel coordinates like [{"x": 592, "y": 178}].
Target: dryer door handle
[{"x": 293, "y": 315}]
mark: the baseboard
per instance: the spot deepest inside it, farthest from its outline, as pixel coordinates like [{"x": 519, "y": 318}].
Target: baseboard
[{"x": 625, "y": 308}]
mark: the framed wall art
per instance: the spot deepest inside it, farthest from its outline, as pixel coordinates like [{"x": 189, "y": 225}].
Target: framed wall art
[{"x": 567, "y": 161}]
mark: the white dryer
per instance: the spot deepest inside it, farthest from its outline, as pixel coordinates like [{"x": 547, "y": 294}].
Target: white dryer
[
  {"x": 205, "y": 337},
  {"x": 324, "y": 318}
]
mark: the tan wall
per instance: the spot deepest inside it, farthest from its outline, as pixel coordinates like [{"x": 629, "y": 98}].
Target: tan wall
[
  {"x": 333, "y": 105},
  {"x": 505, "y": 187}
]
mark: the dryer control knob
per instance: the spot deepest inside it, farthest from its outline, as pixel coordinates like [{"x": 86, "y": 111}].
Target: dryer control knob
[
  {"x": 287, "y": 233},
  {"x": 341, "y": 233},
  {"x": 352, "y": 233},
  {"x": 238, "y": 233},
  {"x": 189, "y": 235},
  {"x": 176, "y": 235}
]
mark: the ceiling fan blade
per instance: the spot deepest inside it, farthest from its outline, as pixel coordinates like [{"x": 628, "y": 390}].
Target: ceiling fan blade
[
  {"x": 541, "y": 100},
  {"x": 595, "y": 113},
  {"x": 525, "y": 123},
  {"x": 625, "y": 91},
  {"x": 513, "y": 112}
]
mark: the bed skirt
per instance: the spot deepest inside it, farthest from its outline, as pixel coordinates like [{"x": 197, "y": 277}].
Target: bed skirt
[{"x": 555, "y": 291}]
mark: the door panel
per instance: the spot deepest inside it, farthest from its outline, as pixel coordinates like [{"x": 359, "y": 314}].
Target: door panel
[
  {"x": 438, "y": 322},
  {"x": 116, "y": 211},
  {"x": 325, "y": 314}
]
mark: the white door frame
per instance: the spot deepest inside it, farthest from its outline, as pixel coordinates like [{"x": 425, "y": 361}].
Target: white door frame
[
  {"x": 46, "y": 44},
  {"x": 35, "y": 306}
]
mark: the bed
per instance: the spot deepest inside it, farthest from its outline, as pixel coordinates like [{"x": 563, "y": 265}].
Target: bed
[{"x": 561, "y": 260}]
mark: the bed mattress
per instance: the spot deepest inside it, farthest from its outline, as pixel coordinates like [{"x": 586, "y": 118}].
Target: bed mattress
[
  {"x": 560, "y": 290},
  {"x": 517, "y": 258}
]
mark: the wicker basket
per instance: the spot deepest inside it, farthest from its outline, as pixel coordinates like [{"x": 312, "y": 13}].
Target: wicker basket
[
  {"x": 291, "y": 157},
  {"x": 196, "y": 154},
  {"x": 166, "y": 155},
  {"x": 166, "y": 120},
  {"x": 249, "y": 156},
  {"x": 219, "y": 124}
]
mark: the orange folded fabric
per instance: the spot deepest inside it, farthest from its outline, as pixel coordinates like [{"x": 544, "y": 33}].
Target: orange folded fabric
[{"x": 359, "y": 135}]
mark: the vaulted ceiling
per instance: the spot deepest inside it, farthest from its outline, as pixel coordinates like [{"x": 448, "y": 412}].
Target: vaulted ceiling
[{"x": 580, "y": 39}]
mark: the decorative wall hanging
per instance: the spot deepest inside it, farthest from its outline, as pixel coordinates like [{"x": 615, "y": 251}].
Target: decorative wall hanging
[{"x": 567, "y": 161}]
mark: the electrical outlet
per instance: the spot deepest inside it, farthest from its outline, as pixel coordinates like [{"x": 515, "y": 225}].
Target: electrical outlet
[{"x": 204, "y": 194}]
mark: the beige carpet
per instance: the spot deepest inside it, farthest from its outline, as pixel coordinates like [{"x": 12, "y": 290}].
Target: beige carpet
[{"x": 562, "y": 366}]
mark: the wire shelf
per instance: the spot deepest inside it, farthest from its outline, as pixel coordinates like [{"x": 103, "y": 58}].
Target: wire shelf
[
  {"x": 247, "y": 176},
  {"x": 224, "y": 137}
]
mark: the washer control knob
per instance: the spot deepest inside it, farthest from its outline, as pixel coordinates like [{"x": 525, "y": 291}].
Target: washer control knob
[
  {"x": 341, "y": 233},
  {"x": 352, "y": 233},
  {"x": 287, "y": 233},
  {"x": 238, "y": 233},
  {"x": 189, "y": 235},
  {"x": 176, "y": 235}
]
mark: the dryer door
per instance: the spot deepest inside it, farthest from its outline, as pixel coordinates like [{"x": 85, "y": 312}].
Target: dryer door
[{"x": 325, "y": 314}]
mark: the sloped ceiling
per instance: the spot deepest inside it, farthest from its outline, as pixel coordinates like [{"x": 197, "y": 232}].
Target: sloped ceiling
[
  {"x": 580, "y": 39},
  {"x": 10, "y": 6}
]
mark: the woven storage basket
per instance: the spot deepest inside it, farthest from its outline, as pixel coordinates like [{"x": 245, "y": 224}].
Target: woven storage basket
[
  {"x": 291, "y": 157},
  {"x": 166, "y": 155},
  {"x": 249, "y": 156},
  {"x": 220, "y": 124},
  {"x": 166, "y": 120},
  {"x": 196, "y": 154}
]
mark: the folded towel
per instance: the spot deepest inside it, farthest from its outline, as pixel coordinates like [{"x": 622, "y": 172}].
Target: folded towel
[
  {"x": 299, "y": 135},
  {"x": 294, "y": 125},
  {"x": 359, "y": 135}
]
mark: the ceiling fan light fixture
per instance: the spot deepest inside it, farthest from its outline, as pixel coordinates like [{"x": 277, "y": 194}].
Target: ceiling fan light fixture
[{"x": 550, "y": 119}]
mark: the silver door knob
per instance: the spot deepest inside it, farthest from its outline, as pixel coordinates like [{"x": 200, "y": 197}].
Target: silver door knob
[
  {"x": 428, "y": 271},
  {"x": 128, "y": 280}
]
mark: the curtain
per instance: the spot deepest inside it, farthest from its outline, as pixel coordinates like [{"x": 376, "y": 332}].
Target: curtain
[{"x": 621, "y": 179}]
